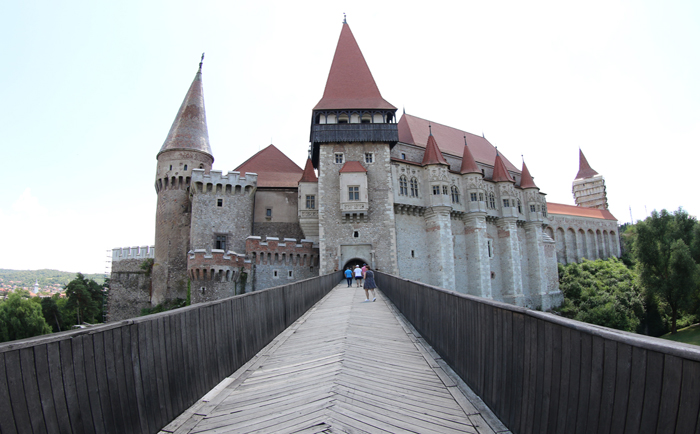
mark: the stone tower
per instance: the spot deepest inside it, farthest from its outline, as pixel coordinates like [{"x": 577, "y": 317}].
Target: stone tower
[
  {"x": 186, "y": 148},
  {"x": 589, "y": 187},
  {"x": 352, "y": 132}
]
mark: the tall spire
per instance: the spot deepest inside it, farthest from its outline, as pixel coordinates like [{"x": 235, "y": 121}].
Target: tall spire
[
  {"x": 468, "y": 163},
  {"x": 500, "y": 173},
  {"x": 350, "y": 84},
  {"x": 432, "y": 153},
  {"x": 584, "y": 169},
  {"x": 526, "y": 180},
  {"x": 189, "y": 130}
]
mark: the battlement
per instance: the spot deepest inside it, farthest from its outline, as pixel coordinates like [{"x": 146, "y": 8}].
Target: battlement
[
  {"x": 218, "y": 264},
  {"x": 216, "y": 182},
  {"x": 289, "y": 251},
  {"x": 122, "y": 253}
]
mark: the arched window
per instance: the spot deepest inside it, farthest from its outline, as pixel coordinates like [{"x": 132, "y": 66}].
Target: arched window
[
  {"x": 455, "y": 194},
  {"x": 492, "y": 201},
  {"x": 403, "y": 186},
  {"x": 414, "y": 187}
]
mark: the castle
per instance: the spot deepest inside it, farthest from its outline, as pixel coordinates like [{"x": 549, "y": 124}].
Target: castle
[{"x": 411, "y": 197}]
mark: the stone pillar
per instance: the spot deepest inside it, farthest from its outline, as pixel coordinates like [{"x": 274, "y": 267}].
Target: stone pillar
[
  {"x": 536, "y": 263},
  {"x": 509, "y": 254},
  {"x": 440, "y": 245},
  {"x": 478, "y": 265}
]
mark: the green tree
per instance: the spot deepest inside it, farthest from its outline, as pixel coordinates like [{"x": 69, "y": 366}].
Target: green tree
[
  {"x": 665, "y": 261},
  {"x": 21, "y": 318},
  {"x": 86, "y": 297},
  {"x": 602, "y": 292},
  {"x": 52, "y": 313}
]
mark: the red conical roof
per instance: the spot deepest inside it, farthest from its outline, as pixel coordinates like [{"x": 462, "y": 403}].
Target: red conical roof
[
  {"x": 500, "y": 174},
  {"x": 189, "y": 130},
  {"x": 432, "y": 153},
  {"x": 468, "y": 162},
  {"x": 584, "y": 169},
  {"x": 526, "y": 181},
  {"x": 274, "y": 169},
  {"x": 309, "y": 175},
  {"x": 350, "y": 83}
]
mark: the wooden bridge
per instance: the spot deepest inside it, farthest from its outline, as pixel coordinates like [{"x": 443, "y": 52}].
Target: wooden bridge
[
  {"x": 311, "y": 356},
  {"x": 345, "y": 366}
]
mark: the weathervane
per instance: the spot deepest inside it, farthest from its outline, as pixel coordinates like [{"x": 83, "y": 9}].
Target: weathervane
[
  {"x": 200, "y": 62},
  {"x": 345, "y": 18}
]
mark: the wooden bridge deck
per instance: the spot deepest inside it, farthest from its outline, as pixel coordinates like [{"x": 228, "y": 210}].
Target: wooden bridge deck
[{"x": 345, "y": 366}]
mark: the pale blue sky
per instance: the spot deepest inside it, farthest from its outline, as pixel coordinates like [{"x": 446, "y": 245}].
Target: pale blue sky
[{"x": 90, "y": 90}]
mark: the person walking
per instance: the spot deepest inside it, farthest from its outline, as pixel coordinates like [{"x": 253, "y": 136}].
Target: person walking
[
  {"x": 348, "y": 276},
  {"x": 369, "y": 285},
  {"x": 358, "y": 275}
]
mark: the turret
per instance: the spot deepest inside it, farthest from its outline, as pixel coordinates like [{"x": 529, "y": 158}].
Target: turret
[
  {"x": 475, "y": 195},
  {"x": 308, "y": 203},
  {"x": 437, "y": 173},
  {"x": 185, "y": 148},
  {"x": 589, "y": 187},
  {"x": 533, "y": 201},
  {"x": 505, "y": 182},
  {"x": 352, "y": 108}
]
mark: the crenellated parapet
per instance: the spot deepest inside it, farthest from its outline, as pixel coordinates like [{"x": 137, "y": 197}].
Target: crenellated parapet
[
  {"x": 218, "y": 183},
  {"x": 287, "y": 251},
  {"x": 217, "y": 265},
  {"x": 123, "y": 253}
]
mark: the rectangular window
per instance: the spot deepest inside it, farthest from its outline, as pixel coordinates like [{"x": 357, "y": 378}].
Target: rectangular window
[
  {"x": 506, "y": 203},
  {"x": 369, "y": 158},
  {"x": 338, "y": 158},
  {"x": 310, "y": 202},
  {"x": 444, "y": 190},
  {"x": 532, "y": 208},
  {"x": 436, "y": 190},
  {"x": 472, "y": 197},
  {"x": 403, "y": 156},
  {"x": 220, "y": 242},
  {"x": 489, "y": 246},
  {"x": 275, "y": 274},
  {"x": 290, "y": 274},
  {"x": 219, "y": 202},
  {"x": 481, "y": 197},
  {"x": 353, "y": 193},
  {"x": 268, "y": 213}
]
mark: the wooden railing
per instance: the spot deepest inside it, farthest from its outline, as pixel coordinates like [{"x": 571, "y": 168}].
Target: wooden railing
[
  {"x": 135, "y": 376},
  {"x": 541, "y": 373}
]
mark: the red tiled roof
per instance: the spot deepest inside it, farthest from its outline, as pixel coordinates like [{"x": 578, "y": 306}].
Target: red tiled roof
[
  {"x": 350, "y": 83},
  {"x": 274, "y": 169},
  {"x": 352, "y": 166},
  {"x": 309, "y": 175},
  {"x": 500, "y": 174},
  {"x": 584, "y": 169},
  {"x": 526, "y": 181},
  {"x": 468, "y": 162},
  {"x": 414, "y": 131},
  {"x": 561, "y": 209},
  {"x": 432, "y": 153},
  {"x": 189, "y": 129}
]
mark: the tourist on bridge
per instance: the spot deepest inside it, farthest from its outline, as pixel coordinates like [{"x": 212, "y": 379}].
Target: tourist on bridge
[
  {"x": 369, "y": 284},
  {"x": 348, "y": 276},
  {"x": 358, "y": 275}
]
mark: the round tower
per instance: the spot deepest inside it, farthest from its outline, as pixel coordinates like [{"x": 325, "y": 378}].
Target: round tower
[{"x": 186, "y": 148}]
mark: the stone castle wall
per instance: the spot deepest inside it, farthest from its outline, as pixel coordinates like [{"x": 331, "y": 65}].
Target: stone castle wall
[
  {"x": 129, "y": 286},
  {"x": 278, "y": 262}
]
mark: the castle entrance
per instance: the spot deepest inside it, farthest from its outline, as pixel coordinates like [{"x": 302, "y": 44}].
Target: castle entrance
[{"x": 356, "y": 254}]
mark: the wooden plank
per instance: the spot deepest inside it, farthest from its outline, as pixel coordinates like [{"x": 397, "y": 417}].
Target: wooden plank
[
  {"x": 139, "y": 387},
  {"x": 635, "y": 403},
  {"x": 163, "y": 357},
  {"x": 119, "y": 353},
  {"x": 70, "y": 384},
  {"x": 532, "y": 376},
  {"x": 670, "y": 394},
  {"x": 93, "y": 386},
  {"x": 31, "y": 390},
  {"x": 622, "y": 388},
  {"x": 544, "y": 374},
  {"x": 110, "y": 371},
  {"x": 555, "y": 386},
  {"x": 174, "y": 373},
  {"x": 596, "y": 382},
  {"x": 58, "y": 391},
  {"x": 7, "y": 418},
  {"x": 518, "y": 377},
  {"x": 15, "y": 386},
  {"x": 690, "y": 398},
  {"x": 43, "y": 379},
  {"x": 566, "y": 379},
  {"x": 607, "y": 399},
  {"x": 100, "y": 365},
  {"x": 652, "y": 392},
  {"x": 148, "y": 377}
]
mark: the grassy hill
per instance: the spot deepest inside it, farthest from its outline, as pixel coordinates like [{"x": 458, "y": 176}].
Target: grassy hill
[
  {"x": 26, "y": 278},
  {"x": 688, "y": 335}
]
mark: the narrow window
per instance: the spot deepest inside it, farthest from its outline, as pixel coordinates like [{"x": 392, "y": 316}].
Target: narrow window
[
  {"x": 338, "y": 158},
  {"x": 403, "y": 156},
  {"x": 473, "y": 197},
  {"x": 506, "y": 203},
  {"x": 492, "y": 201},
  {"x": 444, "y": 190},
  {"x": 356, "y": 234},
  {"x": 353, "y": 193},
  {"x": 268, "y": 213},
  {"x": 481, "y": 197},
  {"x": 436, "y": 190},
  {"x": 275, "y": 274},
  {"x": 171, "y": 167},
  {"x": 290, "y": 274},
  {"x": 403, "y": 186},
  {"x": 414, "y": 187},
  {"x": 455, "y": 194},
  {"x": 310, "y": 202},
  {"x": 520, "y": 207},
  {"x": 369, "y": 157},
  {"x": 544, "y": 210},
  {"x": 185, "y": 166},
  {"x": 219, "y": 202},
  {"x": 220, "y": 242},
  {"x": 532, "y": 208},
  {"x": 413, "y": 253},
  {"x": 489, "y": 246}
]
